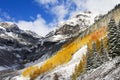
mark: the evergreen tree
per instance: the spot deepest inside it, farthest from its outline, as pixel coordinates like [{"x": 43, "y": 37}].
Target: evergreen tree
[
  {"x": 94, "y": 49},
  {"x": 95, "y": 57},
  {"x": 102, "y": 50},
  {"x": 103, "y": 53},
  {"x": 89, "y": 59},
  {"x": 112, "y": 38},
  {"x": 118, "y": 39}
]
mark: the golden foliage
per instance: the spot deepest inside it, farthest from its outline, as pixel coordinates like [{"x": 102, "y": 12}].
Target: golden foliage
[
  {"x": 29, "y": 71},
  {"x": 105, "y": 42},
  {"x": 65, "y": 54},
  {"x": 80, "y": 68},
  {"x": 98, "y": 45}
]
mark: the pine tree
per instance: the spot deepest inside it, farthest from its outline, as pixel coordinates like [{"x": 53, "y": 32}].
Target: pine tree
[
  {"x": 103, "y": 53},
  {"x": 89, "y": 58},
  {"x": 112, "y": 38},
  {"x": 118, "y": 39},
  {"x": 95, "y": 56}
]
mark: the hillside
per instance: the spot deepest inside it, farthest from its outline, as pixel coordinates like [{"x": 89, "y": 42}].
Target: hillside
[{"x": 79, "y": 49}]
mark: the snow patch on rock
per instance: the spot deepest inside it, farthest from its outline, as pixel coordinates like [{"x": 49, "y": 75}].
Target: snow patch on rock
[{"x": 3, "y": 68}]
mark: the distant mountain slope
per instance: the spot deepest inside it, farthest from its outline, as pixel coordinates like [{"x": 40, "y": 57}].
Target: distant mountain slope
[
  {"x": 19, "y": 48},
  {"x": 15, "y": 44}
]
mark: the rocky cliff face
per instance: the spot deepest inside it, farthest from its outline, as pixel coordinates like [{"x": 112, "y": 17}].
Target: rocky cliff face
[
  {"x": 15, "y": 44},
  {"x": 18, "y": 47}
]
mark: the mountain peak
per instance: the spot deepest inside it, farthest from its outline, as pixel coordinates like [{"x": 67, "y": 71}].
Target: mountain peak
[
  {"x": 72, "y": 27},
  {"x": 6, "y": 24}
]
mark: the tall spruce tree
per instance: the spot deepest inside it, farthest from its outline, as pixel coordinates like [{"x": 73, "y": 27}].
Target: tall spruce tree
[
  {"x": 103, "y": 52},
  {"x": 89, "y": 59},
  {"x": 95, "y": 56},
  {"x": 118, "y": 39},
  {"x": 112, "y": 38}
]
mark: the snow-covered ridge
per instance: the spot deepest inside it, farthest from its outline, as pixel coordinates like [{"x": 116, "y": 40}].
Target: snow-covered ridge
[
  {"x": 2, "y": 28},
  {"x": 73, "y": 26},
  {"x": 87, "y": 17},
  {"x": 6, "y": 24},
  {"x": 14, "y": 42}
]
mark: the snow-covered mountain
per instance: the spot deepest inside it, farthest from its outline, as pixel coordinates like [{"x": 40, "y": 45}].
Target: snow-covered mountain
[
  {"x": 72, "y": 27},
  {"x": 76, "y": 50},
  {"x": 15, "y": 44},
  {"x": 19, "y": 49}
]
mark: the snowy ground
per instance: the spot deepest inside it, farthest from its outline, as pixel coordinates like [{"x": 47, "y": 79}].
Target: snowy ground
[
  {"x": 63, "y": 71},
  {"x": 110, "y": 70},
  {"x": 66, "y": 70},
  {"x": 2, "y": 28}
]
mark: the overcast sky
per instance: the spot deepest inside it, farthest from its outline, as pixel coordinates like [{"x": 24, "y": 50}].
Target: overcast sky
[{"x": 41, "y": 16}]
